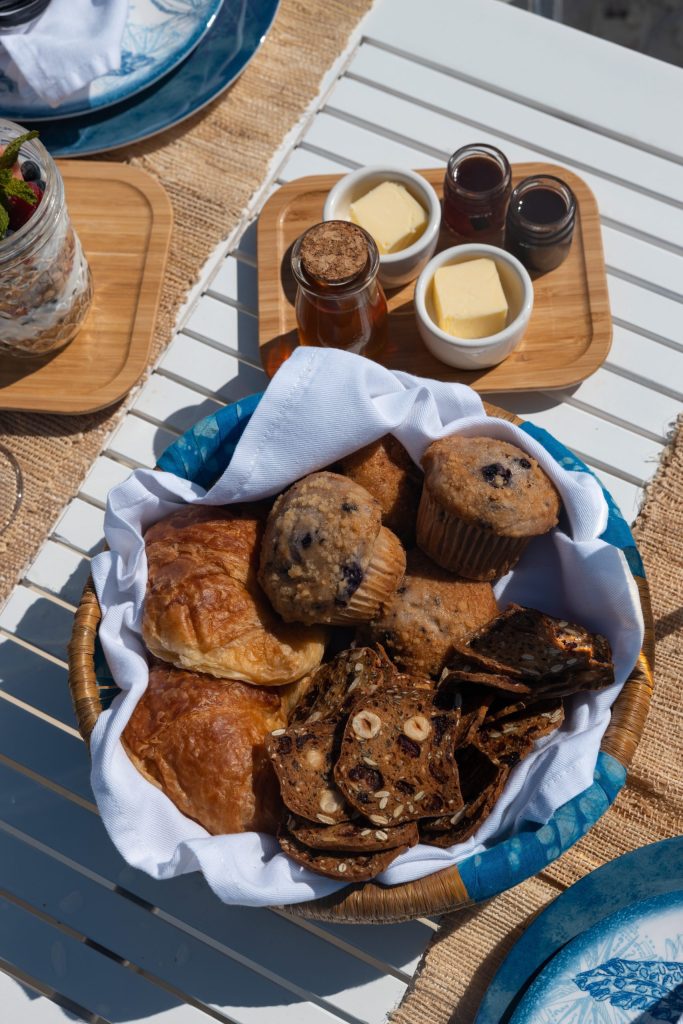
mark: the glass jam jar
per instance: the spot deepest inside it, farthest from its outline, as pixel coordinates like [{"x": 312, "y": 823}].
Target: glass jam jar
[
  {"x": 540, "y": 222},
  {"x": 476, "y": 191},
  {"x": 45, "y": 284},
  {"x": 339, "y": 301}
]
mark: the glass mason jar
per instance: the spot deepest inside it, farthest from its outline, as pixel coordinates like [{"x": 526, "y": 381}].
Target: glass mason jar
[
  {"x": 45, "y": 283},
  {"x": 339, "y": 301},
  {"x": 540, "y": 222},
  {"x": 476, "y": 191}
]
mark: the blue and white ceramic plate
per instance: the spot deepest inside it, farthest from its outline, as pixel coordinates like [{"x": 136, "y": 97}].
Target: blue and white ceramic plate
[
  {"x": 223, "y": 53},
  {"x": 626, "y": 969},
  {"x": 159, "y": 34},
  {"x": 623, "y": 954}
]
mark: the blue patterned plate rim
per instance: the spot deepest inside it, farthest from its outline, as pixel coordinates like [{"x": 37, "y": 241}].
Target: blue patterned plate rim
[
  {"x": 614, "y": 966},
  {"x": 221, "y": 56},
  {"x": 650, "y": 871},
  {"x": 152, "y": 46}
]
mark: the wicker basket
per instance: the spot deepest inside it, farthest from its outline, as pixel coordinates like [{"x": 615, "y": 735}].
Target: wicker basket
[{"x": 510, "y": 861}]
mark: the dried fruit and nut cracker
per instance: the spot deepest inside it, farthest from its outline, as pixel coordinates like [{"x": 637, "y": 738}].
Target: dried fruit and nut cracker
[
  {"x": 482, "y": 782},
  {"x": 303, "y": 757},
  {"x": 509, "y": 739},
  {"x": 472, "y": 701},
  {"x": 351, "y": 867},
  {"x": 339, "y": 683},
  {"x": 551, "y": 655},
  {"x": 473, "y": 815},
  {"x": 397, "y": 757},
  {"x": 352, "y": 836}
]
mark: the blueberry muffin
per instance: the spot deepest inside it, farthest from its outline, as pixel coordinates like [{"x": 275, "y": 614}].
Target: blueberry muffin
[
  {"x": 385, "y": 469},
  {"x": 429, "y": 611},
  {"x": 482, "y": 502},
  {"x": 325, "y": 555}
]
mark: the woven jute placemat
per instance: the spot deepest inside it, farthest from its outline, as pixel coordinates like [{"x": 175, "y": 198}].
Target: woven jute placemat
[
  {"x": 210, "y": 165},
  {"x": 471, "y": 945}
]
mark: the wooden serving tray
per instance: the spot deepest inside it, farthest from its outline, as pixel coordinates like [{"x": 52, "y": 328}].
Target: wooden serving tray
[
  {"x": 123, "y": 218},
  {"x": 570, "y": 330}
]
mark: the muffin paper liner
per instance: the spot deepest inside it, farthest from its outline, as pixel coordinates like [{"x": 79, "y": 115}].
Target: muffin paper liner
[
  {"x": 464, "y": 548},
  {"x": 382, "y": 576}
]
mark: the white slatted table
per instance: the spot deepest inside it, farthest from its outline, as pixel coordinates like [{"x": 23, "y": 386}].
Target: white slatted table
[{"x": 83, "y": 935}]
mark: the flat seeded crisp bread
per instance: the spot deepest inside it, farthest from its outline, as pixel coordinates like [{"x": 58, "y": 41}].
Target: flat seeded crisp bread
[
  {"x": 338, "y": 684},
  {"x": 468, "y": 676},
  {"x": 352, "y": 836},
  {"x": 397, "y": 758},
  {"x": 551, "y": 655},
  {"x": 473, "y": 816},
  {"x": 508, "y": 740},
  {"x": 352, "y": 867},
  {"x": 303, "y": 757}
]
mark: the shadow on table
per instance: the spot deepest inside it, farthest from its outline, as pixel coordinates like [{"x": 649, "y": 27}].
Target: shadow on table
[{"x": 108, "y": 938}]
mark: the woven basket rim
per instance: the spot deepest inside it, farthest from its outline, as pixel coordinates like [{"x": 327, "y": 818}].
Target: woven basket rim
[{"x": 445, "y": 891}]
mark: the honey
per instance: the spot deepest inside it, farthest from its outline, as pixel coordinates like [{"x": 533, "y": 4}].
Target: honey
[{"x": 339, "y": 301}]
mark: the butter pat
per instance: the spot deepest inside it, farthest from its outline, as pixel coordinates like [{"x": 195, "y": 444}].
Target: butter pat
[
  {"x": 469, "y": 299},
  {"x": 391, "y": 215}
]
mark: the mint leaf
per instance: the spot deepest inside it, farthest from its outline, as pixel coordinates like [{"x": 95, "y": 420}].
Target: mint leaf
[
  {"x": 11, "y": 154},
  {"x": 19, "y": 188},
  {"x": 4, "y": 221}
]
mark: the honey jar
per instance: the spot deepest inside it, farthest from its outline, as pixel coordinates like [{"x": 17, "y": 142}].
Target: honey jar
[{"x": 339, "y": 301}]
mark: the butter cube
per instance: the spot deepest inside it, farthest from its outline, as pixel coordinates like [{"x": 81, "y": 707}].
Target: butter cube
[
  {"x": 469, "y": 299},
  {"x": 391, "y": 215}
]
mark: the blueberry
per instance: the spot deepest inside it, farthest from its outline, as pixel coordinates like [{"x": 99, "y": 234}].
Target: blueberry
[
  {"x": 349, "y": 506},
  {"x": 352, "y": 575},
  {"x": 31, "y": 171},
  {"x": 496, "y": 475},
  {"x": 524, "y": 463},
  {"x": 41, "y": 185}
]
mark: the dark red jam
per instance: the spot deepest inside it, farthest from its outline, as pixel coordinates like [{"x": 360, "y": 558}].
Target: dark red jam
[
  {"x": 540, "y": 222},
  {"x": 476, "y": 193}
]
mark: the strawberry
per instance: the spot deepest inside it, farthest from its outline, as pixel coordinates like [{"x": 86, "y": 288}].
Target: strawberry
[{"x": 20, "y": 209}]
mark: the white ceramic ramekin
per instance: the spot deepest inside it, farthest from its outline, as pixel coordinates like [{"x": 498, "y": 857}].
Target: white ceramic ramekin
[
  {"x": 477, "y": 353},
  {"x": 395, "y": 268}
]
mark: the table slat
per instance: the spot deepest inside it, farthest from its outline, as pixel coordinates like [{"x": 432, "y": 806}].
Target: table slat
[{"x": 581, "y": 78}]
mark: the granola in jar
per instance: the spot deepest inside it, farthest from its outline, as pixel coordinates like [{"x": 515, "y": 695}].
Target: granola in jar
[{"x": 45, "y": 283}]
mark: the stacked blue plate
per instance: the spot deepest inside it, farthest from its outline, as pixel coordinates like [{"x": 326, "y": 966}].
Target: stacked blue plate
[
  {"x": 177, "y": 56},
  {"x": 609, "y": 950}
]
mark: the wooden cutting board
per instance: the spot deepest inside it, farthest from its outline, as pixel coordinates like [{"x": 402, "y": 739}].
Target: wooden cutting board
[
  {"x": 569, "y": 334},
  {"x": 123, "y": 218}
]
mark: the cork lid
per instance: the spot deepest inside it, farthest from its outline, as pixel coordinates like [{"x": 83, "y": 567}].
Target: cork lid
[{"x": 334, "y": 251}]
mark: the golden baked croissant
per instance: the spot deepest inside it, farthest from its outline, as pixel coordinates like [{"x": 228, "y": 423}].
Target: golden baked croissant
[
  {"x": 204, "y": 609},
  {"x": 201, "y": 741}
]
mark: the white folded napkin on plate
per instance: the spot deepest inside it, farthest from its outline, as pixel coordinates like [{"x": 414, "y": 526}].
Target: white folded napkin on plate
[
  {"x": 69, "y": 45},
  {"x": 323, "y": 404}
]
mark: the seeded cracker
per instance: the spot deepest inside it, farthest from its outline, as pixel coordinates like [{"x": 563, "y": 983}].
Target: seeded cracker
[
  {"x": 482, "y": 783},
  {"x": 471, "y": 700},
  {"x": 477, "y": 773},
  {"x": 508, "y": 740},
  {"x": 352, "y": 837},
  {"x": 350, "y": 867},
  {"x": 472, "y": 675},
  {"x": 397, "y": 761},
  {"x": 553, "y": 656},
  {"x": 302, "y": 756},
  {"x": 339, "y": 684}
]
